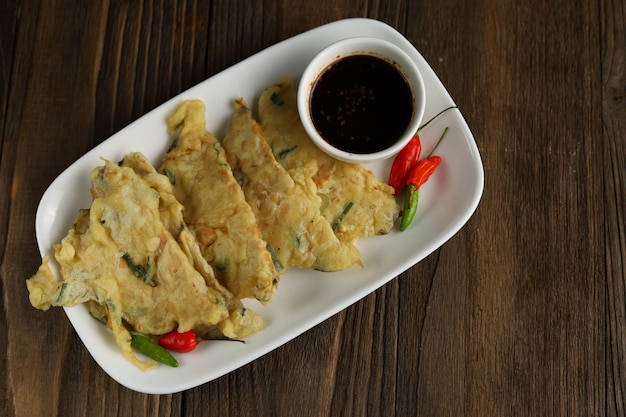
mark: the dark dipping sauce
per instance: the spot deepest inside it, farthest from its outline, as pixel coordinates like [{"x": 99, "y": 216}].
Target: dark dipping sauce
[{"x": 361, "y": 104}]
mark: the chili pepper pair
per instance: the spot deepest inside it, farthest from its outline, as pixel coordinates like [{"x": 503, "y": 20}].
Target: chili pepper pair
[
  {"x": 410, "y": 172},
  {"x": 176, "y": 341},
  {"x": 152, "y": 350}
]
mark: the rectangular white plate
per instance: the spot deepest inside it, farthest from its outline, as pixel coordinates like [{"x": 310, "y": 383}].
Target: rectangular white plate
[{"x": 304, "y": 298}]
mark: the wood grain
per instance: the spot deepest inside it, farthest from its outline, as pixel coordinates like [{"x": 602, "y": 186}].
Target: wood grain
[{"x": 521, "y": 313}]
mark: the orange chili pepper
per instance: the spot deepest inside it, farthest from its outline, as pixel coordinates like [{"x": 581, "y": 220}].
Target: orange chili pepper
[{"x": 422, "y": 171}]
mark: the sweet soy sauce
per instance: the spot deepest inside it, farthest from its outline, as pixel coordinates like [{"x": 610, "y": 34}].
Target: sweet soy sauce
[{"x": 361, "y": 104}]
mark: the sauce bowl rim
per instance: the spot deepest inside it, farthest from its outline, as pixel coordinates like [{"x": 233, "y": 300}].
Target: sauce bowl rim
[{"x": 361, "y": 45}]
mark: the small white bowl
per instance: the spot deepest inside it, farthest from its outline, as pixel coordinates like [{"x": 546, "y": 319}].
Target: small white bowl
[{"x": 361, "y": 46}]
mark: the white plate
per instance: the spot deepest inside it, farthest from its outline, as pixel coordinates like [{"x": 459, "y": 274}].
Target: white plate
[{"x": 304, "y": 298}]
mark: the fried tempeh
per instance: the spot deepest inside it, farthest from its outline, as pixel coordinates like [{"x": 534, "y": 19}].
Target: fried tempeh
[
  {"x": 215, "y": 207},
  {"x": 171, "y": 211},
  {"x": 119, "y": 255},
  {"x": 287, "y": 212},
  {"x": 241, "y": 321},
  {"x": 355, "y": 201}
]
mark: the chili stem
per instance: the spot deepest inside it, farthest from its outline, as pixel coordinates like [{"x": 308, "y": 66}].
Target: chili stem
[
  {"x": 435, "y": 116},
  {"x": 438, "y": 142}
]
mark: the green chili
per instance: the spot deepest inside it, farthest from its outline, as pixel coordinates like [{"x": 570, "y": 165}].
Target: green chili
[
  {"x": 148, "y": 347},
  {"x": 153, "y": 350},
  {"x": 411, "y": 197}
]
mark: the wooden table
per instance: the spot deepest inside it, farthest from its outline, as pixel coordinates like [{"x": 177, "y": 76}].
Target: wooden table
[{"x": 522, "y": 313}]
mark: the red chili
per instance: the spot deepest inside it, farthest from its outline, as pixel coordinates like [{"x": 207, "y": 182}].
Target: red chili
[
  {"x": 422, "y": 171},
  {"x": 402, "y": 164},
  {"x": 179, "y": 342}
]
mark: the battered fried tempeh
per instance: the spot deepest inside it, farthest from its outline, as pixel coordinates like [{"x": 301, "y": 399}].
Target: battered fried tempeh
[
  {"x": 215, "y": 207},
  {"x": 288, "y": 212},
  {"x": 171, "y": 211},
  {"x": 241, "y": 322},
  {"x": 373, "y": 210},
  {"x": 119, "y": 255}
]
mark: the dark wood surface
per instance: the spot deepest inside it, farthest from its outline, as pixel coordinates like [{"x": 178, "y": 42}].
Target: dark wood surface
[{"x": 522, "y": 313}]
